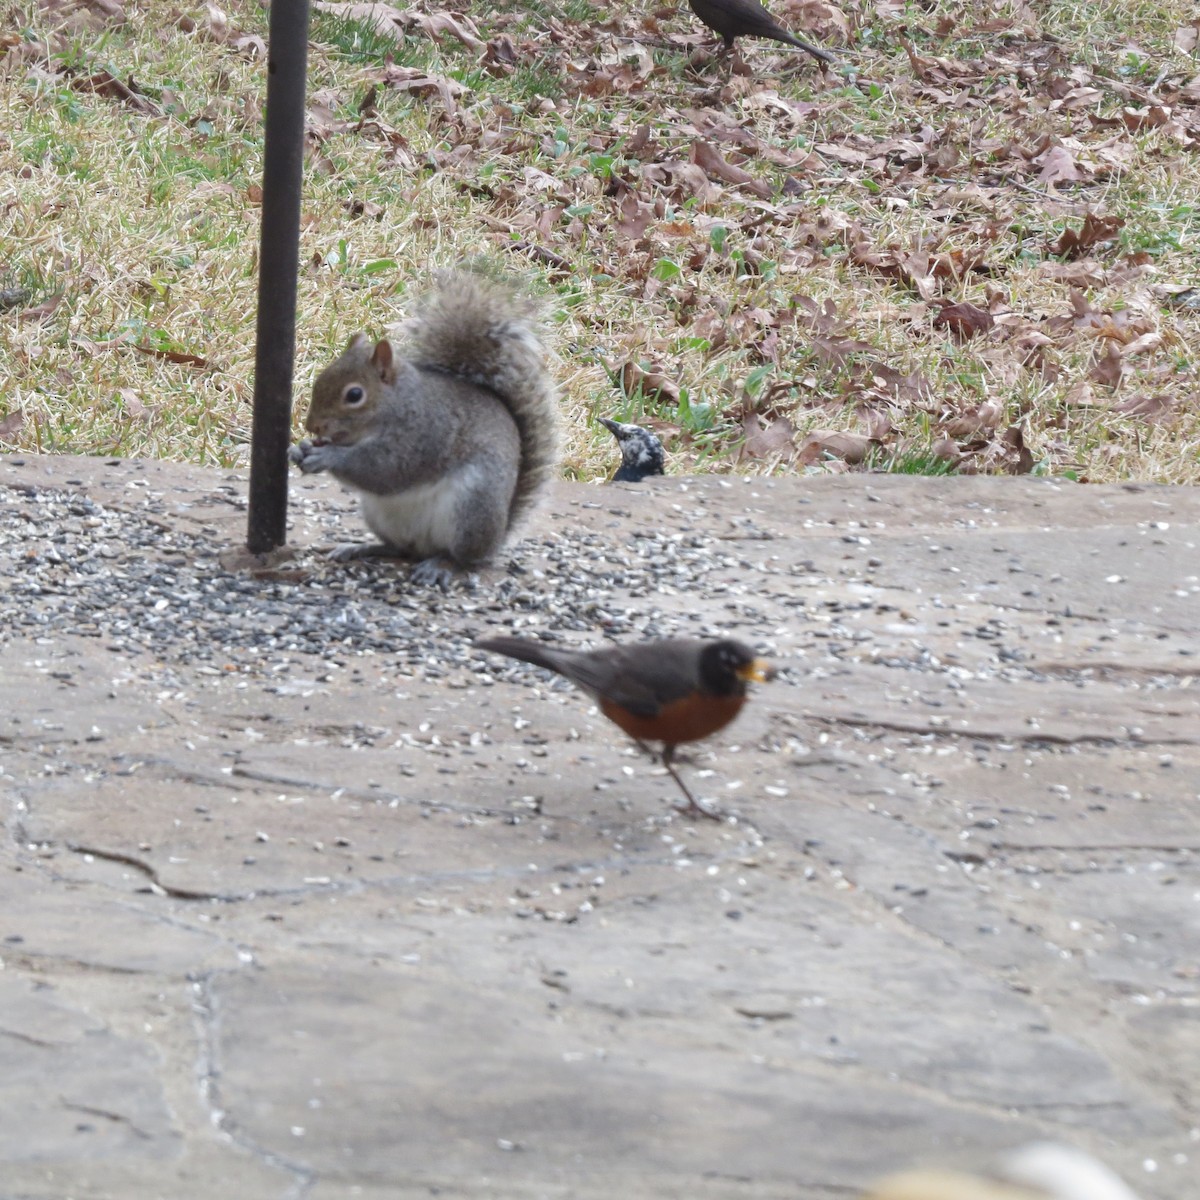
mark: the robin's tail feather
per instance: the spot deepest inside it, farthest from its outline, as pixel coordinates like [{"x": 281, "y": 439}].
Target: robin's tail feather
[{"x": 526, "y": 651}]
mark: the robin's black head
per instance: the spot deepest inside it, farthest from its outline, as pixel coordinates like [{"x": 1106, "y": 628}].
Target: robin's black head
[
  {"x": 641, "y": 451},
  {"x": 727, "y": 666}
]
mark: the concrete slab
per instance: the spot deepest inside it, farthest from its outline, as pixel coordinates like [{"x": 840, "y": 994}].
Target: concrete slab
[{"x": 302, "y": 895}]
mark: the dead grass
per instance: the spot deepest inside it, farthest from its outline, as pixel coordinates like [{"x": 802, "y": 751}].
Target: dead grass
[{"x": 769, "y": 251}]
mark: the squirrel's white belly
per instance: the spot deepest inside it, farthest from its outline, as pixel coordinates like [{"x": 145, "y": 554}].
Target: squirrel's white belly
[{"x": 423, "y": 520}]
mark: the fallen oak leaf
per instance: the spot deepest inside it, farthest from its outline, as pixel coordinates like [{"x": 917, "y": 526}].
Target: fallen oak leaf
[
  {"x": 103, "y": 83},
  {"x": 635, "y": 216},
  {"x": 90, "y": 14},
  {"x": 1014, "y": 438},
  {"x": 175, "y": 356},
  {"x": 946, "y": 450},
  {"x": 420, "y": 83},
  {"x": 1058, "y": 165},
  {"x": 975, "y": 422},
  {"x": 542, "y": 254},
  {"x": 391, "y": 22},
  {"x": 964, "y": 320},
  {"x": 250, "y": 45},
  {"x": 767, "y": 439},
  {"x": 1155, "y": 409},
  {"x": 1080, "y": 395},
  {"x": 1141, "y": 345},
  {"x": 851, "y": 448},
  {"x": 708, "y": 158},
  {"x": 1085, "y": 273},
  {"x": 1095, "y": 230},
  {"x": 1109, "y": 367},
  {"x": 636, "y": 380},
  {"x": 133, "y": 403},
  {"x": 41, "y": 311},
  {"x": 955, "y": 264},
  {"x": 436, "y": 24},
  {"x": 11, "y": 423}
]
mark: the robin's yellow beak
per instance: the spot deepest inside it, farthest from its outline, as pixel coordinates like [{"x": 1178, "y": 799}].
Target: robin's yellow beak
[{"x": 758, "y": 671}]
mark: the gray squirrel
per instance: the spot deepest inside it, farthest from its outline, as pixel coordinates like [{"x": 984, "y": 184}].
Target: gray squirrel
[{"x": 448, "y": 441}]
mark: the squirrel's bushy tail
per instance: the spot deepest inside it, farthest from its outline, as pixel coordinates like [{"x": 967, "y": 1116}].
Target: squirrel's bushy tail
[{"x": 482, "y": 330}]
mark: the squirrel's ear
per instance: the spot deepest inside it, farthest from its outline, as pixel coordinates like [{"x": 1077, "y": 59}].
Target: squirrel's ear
[
  {"x": 381, "y": 360},
  {"x": 359, "y": 339}
]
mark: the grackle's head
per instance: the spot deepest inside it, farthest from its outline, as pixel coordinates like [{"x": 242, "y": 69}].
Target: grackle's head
[{"x": 641, "y": 451}]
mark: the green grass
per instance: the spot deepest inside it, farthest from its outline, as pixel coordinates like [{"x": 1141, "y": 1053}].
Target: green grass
[{"x": 574, "y": 141}]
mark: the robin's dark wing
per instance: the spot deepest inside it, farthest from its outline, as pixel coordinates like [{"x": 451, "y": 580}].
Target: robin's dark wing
[
  {"x": 640, "y": 678},
  {"x": 644, "y": 678}
]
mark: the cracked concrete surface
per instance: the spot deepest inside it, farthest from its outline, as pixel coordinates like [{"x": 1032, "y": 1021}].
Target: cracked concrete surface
[{"x": 346, "y": 929}]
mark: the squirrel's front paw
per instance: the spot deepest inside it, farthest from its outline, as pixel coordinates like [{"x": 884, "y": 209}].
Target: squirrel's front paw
[{"x": 310, "y": 458}]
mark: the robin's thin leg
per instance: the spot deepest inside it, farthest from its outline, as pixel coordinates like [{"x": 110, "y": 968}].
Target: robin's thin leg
[{"x": 691, "y": 807}]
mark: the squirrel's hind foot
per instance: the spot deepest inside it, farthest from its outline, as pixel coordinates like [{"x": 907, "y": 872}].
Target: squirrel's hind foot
[{"x": 439, "y": 572}]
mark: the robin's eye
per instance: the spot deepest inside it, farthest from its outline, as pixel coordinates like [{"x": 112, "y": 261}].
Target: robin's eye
[{"x": 354, "y": 395}]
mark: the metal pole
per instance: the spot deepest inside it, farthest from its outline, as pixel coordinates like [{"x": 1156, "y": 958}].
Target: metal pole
[{"x": 278, "y": 265}]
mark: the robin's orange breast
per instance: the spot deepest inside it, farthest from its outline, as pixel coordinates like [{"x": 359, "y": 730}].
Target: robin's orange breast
[{"x": 687, "y": 720}]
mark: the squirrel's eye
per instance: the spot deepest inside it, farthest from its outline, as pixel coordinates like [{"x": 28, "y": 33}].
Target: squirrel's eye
[{"x": 354, "y": 395}]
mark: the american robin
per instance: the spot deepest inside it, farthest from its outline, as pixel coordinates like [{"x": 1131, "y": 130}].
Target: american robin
[
  {"x": 747, "y": 18},
  {"x": 1038, "y": 1171},
  {"x": 641, "y": 451},
  {"x": 671, "y": 691}
]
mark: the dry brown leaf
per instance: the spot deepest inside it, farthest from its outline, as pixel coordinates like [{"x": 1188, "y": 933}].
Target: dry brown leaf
[
  {"x": 84, "y": 14},
  {"x": 500, "y": 58},
  {"x": 41, "y": 311},
  {"x": 1019, "y": 457},
  {"x": 250, "y": 45},
  {"x": 635, "y": 216},
  {"x": 708, "y": 158},
  {"x": 852, "y": 448},
  {"x": 1058, "y": 165},
  {"x": 133, "y": 403},
  {"x": 681, "y": 179},
  {"x": 653, "y": 384},
  {"x": 382, "y": 18},
  {"x": 711, "y": 325},
  {"x": 964, "y": 320},
  {"x": 1155, "y": 409},
  {"x": 980, "y": 421},
  {"x": 767, "y": 439},
  {"x": 11, "y": 424},
  {"x": 1094, "y": 231},
  {"x": 175, "y": 356},
  {"x": 1109, "y": 367},
  {"x": 107, "y": 85},
  {"x": 946, "y": 449},
  {"x": 420, "y": 83},
  {"x": 1080, "y": 395},
  {"x": 1086, "y": 273},
  {"x": 911, "y": 267}
]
